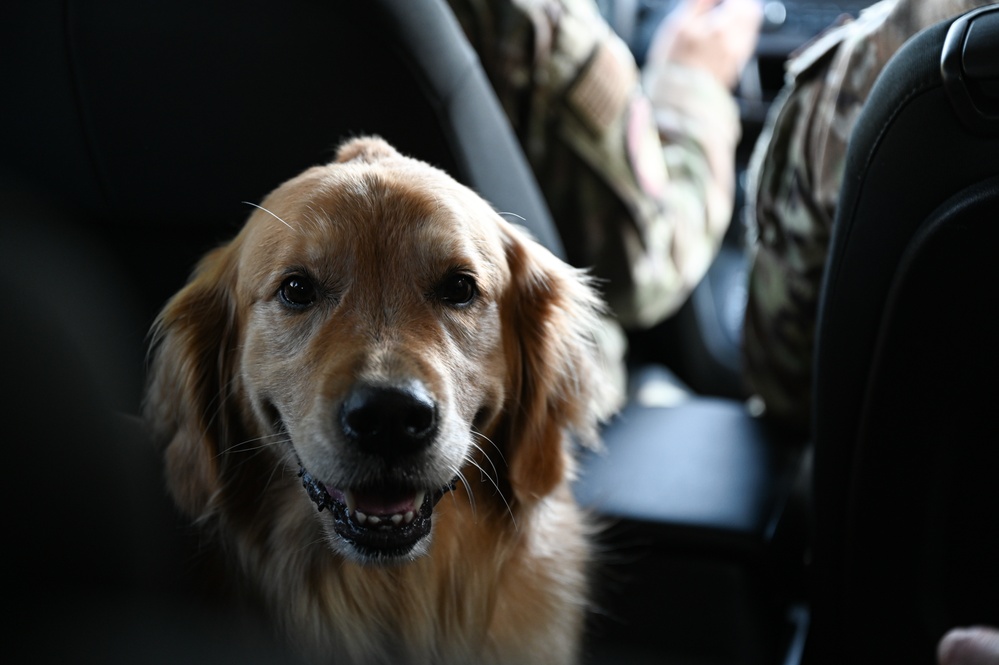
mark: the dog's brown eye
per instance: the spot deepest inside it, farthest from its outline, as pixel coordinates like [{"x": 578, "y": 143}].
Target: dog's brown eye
[
  {"x": 457, "y": 289},
  {"x": 297, "y": 292}
]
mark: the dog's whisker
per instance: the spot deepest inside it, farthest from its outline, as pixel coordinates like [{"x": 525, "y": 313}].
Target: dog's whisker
[
  {"x": 495, "y": 484},
  {"x": 306, "y": 545},
  {"x": 243, "y": 448},
  {"x": 468, "y": 491},
  {"x": 499, "y": 450},
  {"x": 486, "y": 455},
  {"x": 489, "y": 459},
  {"x": 262, "y": 441},
  {"x": 272, "y": 215},
  {"x": 217, "y": 406},
  {"x": 511, "y": 214},
  {"x": 281, "y": 465},
  {"x": 251, "y": 454},
  {"x": 483, "y": 474},
  {"x": 261, "y": 444}
]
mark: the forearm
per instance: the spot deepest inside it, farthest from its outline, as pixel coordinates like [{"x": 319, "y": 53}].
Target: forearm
[
  {"x": 791, "y": 227},
  {"x": 698, "y": 126}
]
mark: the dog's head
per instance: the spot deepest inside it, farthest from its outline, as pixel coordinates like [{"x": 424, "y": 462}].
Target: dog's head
[{"x": 377, "y": 329}]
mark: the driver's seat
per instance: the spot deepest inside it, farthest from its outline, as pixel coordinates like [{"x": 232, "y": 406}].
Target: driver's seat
[{"x": 906, "y": 439}]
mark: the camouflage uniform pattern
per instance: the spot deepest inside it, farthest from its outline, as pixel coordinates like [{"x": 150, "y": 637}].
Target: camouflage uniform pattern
[
  {"x": 795, "y": 179},
  {"x": 636, "y": 166}
]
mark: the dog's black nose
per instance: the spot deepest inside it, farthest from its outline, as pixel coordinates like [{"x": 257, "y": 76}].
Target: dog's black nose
[{"x": 389, "y": 420}]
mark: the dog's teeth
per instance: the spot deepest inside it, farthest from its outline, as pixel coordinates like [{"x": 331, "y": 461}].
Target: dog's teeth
[{"x": 385, "y": 521}]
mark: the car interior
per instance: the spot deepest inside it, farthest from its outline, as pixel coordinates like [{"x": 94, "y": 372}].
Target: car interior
[{"x": 135, "y": 136}]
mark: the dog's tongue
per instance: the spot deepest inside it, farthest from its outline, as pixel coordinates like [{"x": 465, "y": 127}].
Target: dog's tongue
[{"x": 384, "y": 502}]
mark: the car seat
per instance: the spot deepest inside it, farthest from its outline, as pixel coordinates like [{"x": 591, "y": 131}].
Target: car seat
[
  {"x": 151, "y": 124},
  {"x": 130, "y": 136},
  {"x": 906, "y": 454}
]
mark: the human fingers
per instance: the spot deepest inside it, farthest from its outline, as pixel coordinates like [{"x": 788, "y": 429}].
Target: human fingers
[
  {"x": 969, "y": 646},
  {"x": 738, "y": 25}
]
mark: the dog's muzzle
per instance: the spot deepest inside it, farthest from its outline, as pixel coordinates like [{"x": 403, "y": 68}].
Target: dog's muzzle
[{"x": 392, "y": 425}]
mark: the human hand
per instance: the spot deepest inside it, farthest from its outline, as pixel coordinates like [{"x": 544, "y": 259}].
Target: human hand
[
  {"x": 969, "y": 646},
  {"x": 717, "y": 36}
]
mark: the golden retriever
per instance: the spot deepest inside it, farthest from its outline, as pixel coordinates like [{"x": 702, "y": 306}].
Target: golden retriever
[{"x": 379, "y": 343}]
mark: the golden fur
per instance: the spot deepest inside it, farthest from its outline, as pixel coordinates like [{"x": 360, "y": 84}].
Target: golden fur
[{"x": 379, "y": 270}]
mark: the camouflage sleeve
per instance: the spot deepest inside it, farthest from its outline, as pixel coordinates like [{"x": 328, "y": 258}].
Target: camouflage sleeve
[
  {"x": 637, "y": 170},
  {"x": 795, "y": 178},
  {"x": 699, "y": 126},
  {"x": 787, "y": 260}
]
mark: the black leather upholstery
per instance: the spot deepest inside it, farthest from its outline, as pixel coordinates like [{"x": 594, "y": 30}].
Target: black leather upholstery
[
  {"x": 99, "y": 567},
  {"x": 703, "y": 530},
  {"x": 674, "y": 447},
  {"x": 906, "y": 447}
]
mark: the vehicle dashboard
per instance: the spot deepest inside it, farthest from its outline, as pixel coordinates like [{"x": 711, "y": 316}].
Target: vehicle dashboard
[{"x": 787, "y": 24}]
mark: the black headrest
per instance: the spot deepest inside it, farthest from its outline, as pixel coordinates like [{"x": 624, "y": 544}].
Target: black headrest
[
  {"x": 909, "y": 154},
  {"x": 152, "y": 123}
]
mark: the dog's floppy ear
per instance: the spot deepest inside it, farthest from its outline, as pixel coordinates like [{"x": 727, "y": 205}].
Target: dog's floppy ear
[
  {"x": 551, "y": 316},
  {"x": 369, "y": 149},
  {"x": 190, "y": 377}
]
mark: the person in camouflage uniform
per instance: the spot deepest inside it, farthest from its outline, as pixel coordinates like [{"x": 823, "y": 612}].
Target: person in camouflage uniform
[
  {"x": 637, "y": 166},
  {"x": 795, "y": 178}
]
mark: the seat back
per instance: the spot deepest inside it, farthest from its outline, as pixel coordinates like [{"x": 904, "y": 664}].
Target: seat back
[
  {"x": 906, "y": 448},
  {"x": 131, "y": 134},
  {"x": 151, "y": 124}
]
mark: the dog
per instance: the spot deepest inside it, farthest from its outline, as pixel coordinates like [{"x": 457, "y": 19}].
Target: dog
[{"x": 372, "y": 396}]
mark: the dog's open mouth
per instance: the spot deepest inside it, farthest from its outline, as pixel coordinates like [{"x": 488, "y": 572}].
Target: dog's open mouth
[{"x": 379, "y": 521}]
